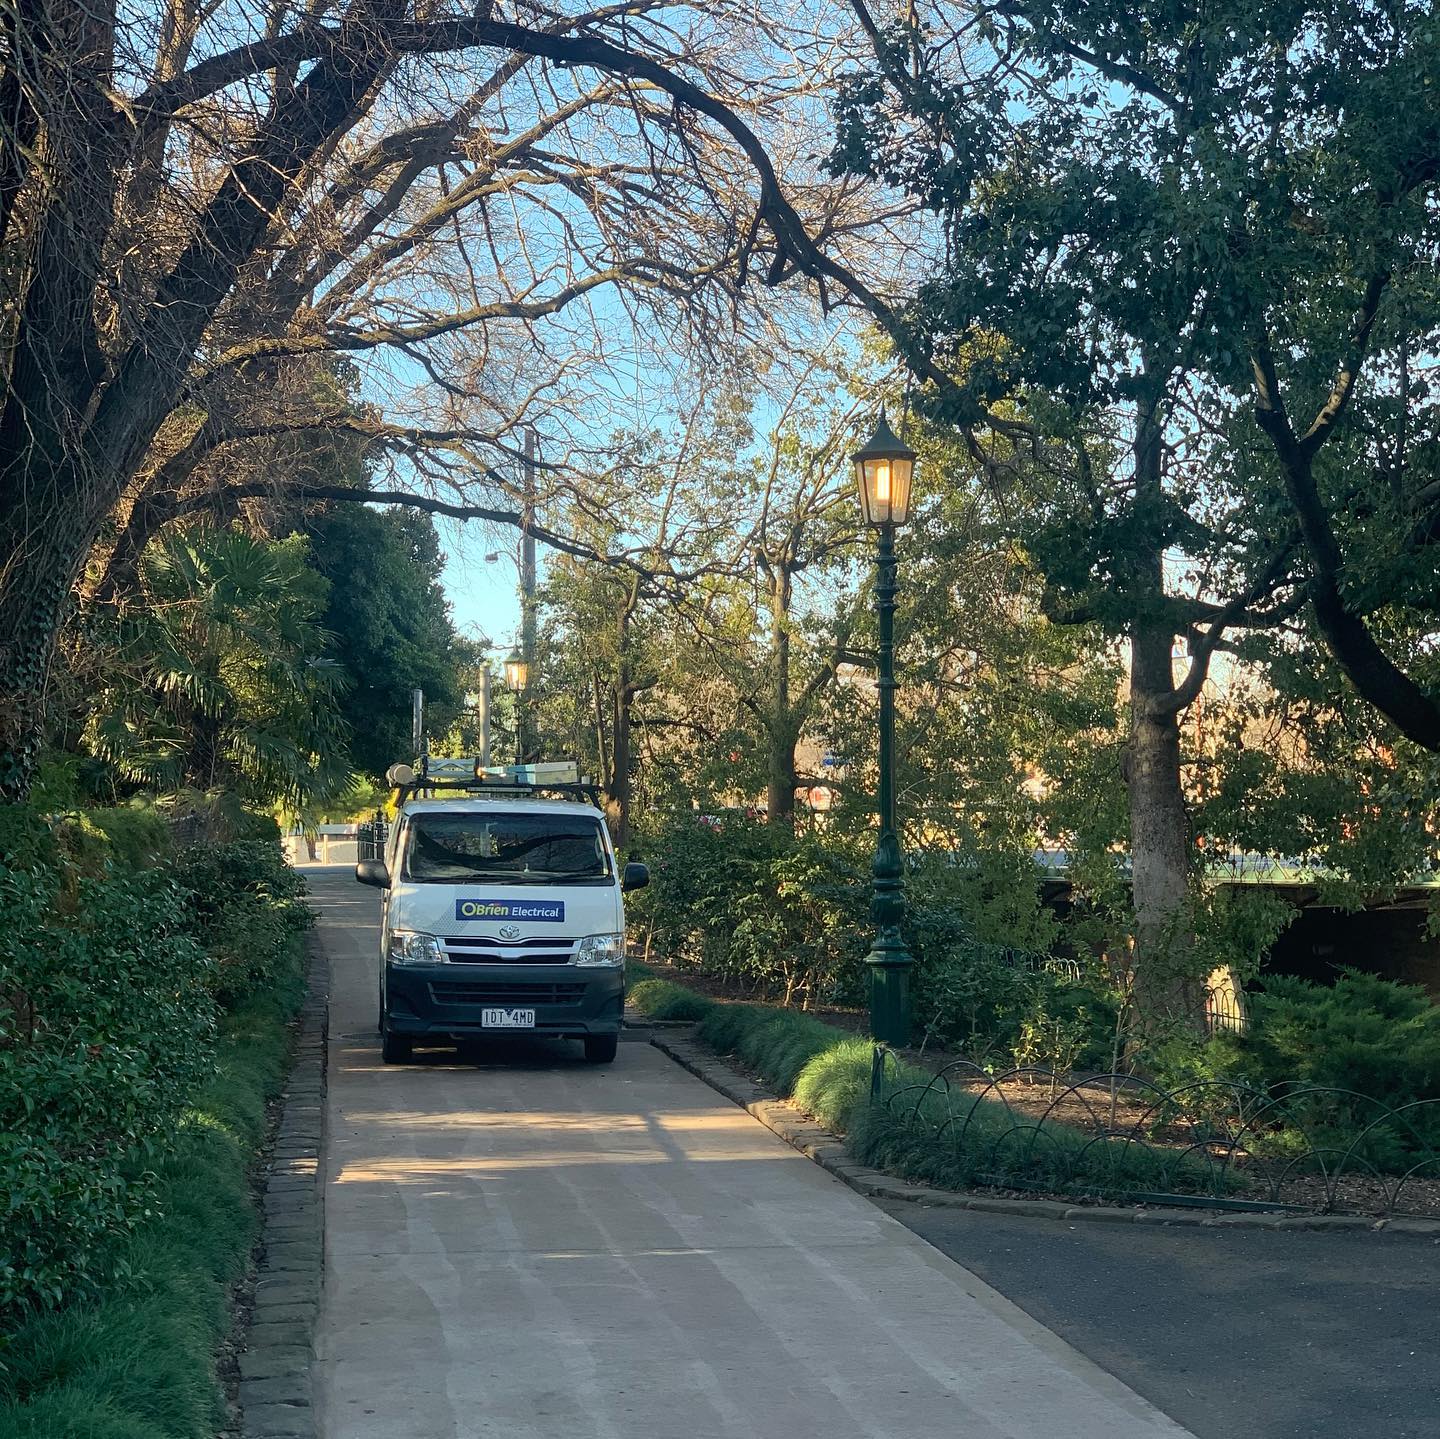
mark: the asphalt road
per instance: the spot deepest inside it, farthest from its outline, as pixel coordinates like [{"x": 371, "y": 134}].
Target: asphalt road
[
  {"x": 1238, "y": 1334},
  {"x": 525, "y": 1246}
]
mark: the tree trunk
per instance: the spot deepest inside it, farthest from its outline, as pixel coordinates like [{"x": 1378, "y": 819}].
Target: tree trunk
[
  {"x": 602, "y": 740},
  {"x": 622, "y": 697},
  {"x": 780, "y": 780},
  {"x": 781, "y": 733},
  {"x": 1168, "y": 997},
  {"x": 617, "y": 806},
  {"x": 37, "y": 568}
]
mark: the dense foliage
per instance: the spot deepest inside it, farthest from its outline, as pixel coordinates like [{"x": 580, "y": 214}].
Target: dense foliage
[
  {"x": 1188, "y": 275},
  {"x": 112, "y": 982},
  {"x": 784, "y": 916},
  {"x": 1367, "y": 1046},
  {"x": 389, "y": 626},
  {"x": 763, "y": 912},
  {"x": 215, "y": 676},
  {"x": 137, "y": 1359}
]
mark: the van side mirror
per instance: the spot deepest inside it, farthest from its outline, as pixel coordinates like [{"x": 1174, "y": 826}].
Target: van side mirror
[
  {"x": 636, "y": 876},
  {"x": 374, "y": 872}
]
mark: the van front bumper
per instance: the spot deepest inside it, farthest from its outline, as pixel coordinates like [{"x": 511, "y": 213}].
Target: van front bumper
[{"x": 448, "y": 1000}]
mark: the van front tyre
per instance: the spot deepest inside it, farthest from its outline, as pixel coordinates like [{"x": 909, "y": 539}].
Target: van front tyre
[
  {"x": 395, "y": 1048},
  {"x": 600, "y": 1048}
]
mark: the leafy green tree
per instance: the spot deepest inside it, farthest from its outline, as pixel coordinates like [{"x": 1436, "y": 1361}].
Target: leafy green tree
[
  {"x": 1169, "y": 231},
  {"x": 721, "y": 604},
  {"x": 390, "y": 626},
  {"x": 221, "y": 678}
]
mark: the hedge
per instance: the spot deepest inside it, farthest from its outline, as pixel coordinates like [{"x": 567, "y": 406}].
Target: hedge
[
  {"x": 785, "y": 916},
  {"x": 659, "y": 999},
  {"x": 138, "y": 1360},
  {"x": 827, "y": 1071},
  {"x": 114, "y": 981}
]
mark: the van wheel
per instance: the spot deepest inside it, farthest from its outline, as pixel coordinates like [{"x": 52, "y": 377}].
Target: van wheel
[
  {"x": 600, "y": 1048},
  {"x": 395, "y": 1048}
]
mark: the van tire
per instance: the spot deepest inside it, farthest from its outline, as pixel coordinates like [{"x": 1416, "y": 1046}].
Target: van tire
[
  {"x": 395, "y": 1048},
  {"x": 601, "y": 1048}
]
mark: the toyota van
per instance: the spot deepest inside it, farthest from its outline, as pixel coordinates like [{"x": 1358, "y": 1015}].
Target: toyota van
[{"x": 502, "y": 913}]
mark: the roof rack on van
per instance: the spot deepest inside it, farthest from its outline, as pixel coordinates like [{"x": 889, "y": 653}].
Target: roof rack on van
[{"x": 469, "y": 776}]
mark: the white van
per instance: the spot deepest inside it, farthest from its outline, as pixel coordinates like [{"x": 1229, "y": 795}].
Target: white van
[{"x": 502, "y": 914}]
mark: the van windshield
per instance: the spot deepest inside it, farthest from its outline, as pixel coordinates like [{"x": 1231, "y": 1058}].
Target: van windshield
[{"x": 517, "y": 848}]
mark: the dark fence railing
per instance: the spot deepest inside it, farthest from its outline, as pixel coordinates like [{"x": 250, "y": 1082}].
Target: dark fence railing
[
  {"x": 1120, "y": 1138},
  {"x": 370, "y": 837}
]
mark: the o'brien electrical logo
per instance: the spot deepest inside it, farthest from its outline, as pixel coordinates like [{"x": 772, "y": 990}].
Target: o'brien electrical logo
[{"x": 547, "y": 910}]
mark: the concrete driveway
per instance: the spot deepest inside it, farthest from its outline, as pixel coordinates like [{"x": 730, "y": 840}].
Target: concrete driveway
[{"x": 525, "y": 1245}]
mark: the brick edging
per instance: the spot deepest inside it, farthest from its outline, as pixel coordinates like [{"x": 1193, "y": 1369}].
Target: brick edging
[
  {"x": 275, "y": 1378},
  {"x": 799, "y": 1130}
]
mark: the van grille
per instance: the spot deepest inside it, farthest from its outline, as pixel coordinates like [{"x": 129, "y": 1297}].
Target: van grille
[
  {"x": 503, "y": 992},
  {"x": 480, "y": 949}
]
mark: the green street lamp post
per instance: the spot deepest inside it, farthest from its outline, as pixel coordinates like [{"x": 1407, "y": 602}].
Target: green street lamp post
[{"x": 884, "y": 469}]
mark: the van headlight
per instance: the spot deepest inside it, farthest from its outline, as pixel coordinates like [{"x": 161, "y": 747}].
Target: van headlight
[
  {"x": 408, "y": 946},
  {"x": 601, "y": 949}
]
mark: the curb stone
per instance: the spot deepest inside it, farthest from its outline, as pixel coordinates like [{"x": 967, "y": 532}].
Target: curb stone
[
  {"x": 801, "y": 1131},
  {"x": 275, "y": 1385}
]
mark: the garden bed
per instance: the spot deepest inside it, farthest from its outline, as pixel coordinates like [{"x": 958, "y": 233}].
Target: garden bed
[{"x": 1099, "y": 1139}]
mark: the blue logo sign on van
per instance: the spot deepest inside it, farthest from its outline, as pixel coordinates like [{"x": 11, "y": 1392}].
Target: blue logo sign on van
[{"x": 551, "y": 911}]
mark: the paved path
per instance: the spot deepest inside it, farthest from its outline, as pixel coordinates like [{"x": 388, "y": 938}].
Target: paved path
[
  {"x": 1269, "y": 1335},
  {"x": 532, "y": 1248}
]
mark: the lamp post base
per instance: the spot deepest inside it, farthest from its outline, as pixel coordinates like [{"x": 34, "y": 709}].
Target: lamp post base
[{"x": 890, "y": 964}]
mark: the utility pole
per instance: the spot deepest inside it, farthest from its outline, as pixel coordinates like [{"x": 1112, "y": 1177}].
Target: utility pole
[
  {"x": 482, "y": 715},
  {"x": 525, "y": 736}
]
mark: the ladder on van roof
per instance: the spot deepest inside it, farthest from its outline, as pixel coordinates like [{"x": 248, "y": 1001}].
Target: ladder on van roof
[{"x": 553, "y": 778}]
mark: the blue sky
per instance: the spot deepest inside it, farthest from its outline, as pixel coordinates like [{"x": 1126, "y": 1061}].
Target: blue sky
[{"x": 483, "y": 596}]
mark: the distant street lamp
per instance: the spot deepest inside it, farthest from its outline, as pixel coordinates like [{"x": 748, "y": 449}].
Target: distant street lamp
[
  {"x": 884, "y": 469},
  {"x": 517, "y": 676}
]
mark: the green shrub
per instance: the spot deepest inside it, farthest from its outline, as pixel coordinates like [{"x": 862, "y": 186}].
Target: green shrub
[
  {"x": 111, "y": 982},
  {"x": 106, "y": 1027},
  {"x": 137, "y": 835},
  {"x": 834, "y": 1084},
  {"x": 662, "y": 1000},
  {"x": 27, "y": 839},
  {"x": 758, "y": 905},
  {"x": 1066, "y": 1026},
  {"x": 786, "y": 916},
  {"x": 248, "y": 906},
  {"x": 958, "y": 1140},
  {"x": 775, "y": 1043},
  {"x": 953, "y": 1139},
  {"x": 968, "y": 995},
  {"x": 1363, "y": 1033},
  {"x": 137, "y": 1361}
]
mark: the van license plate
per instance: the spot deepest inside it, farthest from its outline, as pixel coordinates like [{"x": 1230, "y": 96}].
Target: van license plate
[{"x": 507, "y": 1018}]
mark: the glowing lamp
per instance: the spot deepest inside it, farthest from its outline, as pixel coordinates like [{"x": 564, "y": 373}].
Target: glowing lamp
[{"x": 884, "y": 469}]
